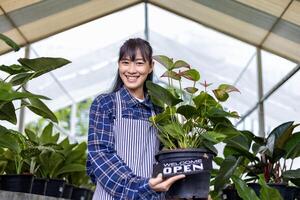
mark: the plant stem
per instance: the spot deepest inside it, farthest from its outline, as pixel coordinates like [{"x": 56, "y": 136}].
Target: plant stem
[
  {"x": 6, "y": 78},
  {"x": 292, "y": 164}
]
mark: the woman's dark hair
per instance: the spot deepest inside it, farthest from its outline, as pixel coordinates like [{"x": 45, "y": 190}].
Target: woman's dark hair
[{"x": 129, "y": 49}]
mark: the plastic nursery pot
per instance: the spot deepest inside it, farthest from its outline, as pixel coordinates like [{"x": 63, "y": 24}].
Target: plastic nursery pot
[
  {"x": 194, "y": 163},
  {"x": 230, "y": 193},
  {"x": 68, "y": 189},
  {"x": 81, "y": 194},
  {"x": 39, "y": 186},
  {"x": 55, "y": 187},
  {"x": 17, "y": 183}
]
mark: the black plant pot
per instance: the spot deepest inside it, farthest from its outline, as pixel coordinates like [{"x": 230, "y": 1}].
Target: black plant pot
[
  {"x": 68, "y": 189},
  {"x": 55, "y": 187},
  {"x": 39, "y": 186},
  {"x": 17, "y": 183},
  {"x": 194, "y": 163},
  {"x": 230, "y": 194},
  {"x": 81, "y": 194}
]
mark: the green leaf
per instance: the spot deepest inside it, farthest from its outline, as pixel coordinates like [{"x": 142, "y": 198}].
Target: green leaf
[
  {"x": 267, "y": 192},
  {"x": 204, "y": 99},
  {"x": 243, "y": 190},
  {"x": 44, "y": 64},
  {"x": 20, "y": 78},
  {"x": 13, "y": 69},
  {"x": 279, "y": 135},
  {"x": 165, "y": 61},
  {"x": 46, "y": 136},
  {"x": 292, "y": 174},
  {"x": 191, "y": 90},
  {"x": 31, "y": 135},
  {"x": 214, "y": 136},
  {"x": 228, "y": 88},
  {"x": 9, "y": 42},
  {"x": 39, "y": 108},
  {"x": 226, "y": 171},
  {"x": 161, "y": 93},
  {"x": 187, "y": 111},
  {"x": 171, "y": 74},
  {"x": 292, "y": 146},
  {"x": 180, "y": 64},
  {"x": 70, "y": 168},
  {"x": 191, "y": 74},
  {"x": 221, "y": 95},
  {"x": 7, "y": 112},
  {"x": 7, "y": 140}
]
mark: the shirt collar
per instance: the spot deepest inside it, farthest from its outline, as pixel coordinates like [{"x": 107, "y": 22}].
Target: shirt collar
[{"x": 130, "y": 101}]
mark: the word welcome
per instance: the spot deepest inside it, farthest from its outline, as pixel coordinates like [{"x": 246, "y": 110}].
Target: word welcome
[{"x": 183, "y": 167}]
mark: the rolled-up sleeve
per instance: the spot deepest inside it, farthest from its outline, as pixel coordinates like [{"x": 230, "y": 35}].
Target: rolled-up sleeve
[{"x": 104, "y": 165}]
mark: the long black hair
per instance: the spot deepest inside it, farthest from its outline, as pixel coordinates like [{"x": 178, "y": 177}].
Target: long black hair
[{"x": 129, "y": 49}]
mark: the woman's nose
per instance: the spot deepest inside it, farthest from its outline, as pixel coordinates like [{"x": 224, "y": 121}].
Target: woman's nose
[{"x": 132, "y": 68}]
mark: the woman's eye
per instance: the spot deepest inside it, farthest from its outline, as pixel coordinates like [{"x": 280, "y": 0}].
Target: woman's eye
[
  {"x": 125, "y": 62},
  {"x": 139, "y": 63}
]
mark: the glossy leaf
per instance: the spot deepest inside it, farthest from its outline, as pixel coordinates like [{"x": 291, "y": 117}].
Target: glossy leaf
[
  {"x": 226, "y": 171},
  {"x": 43, "y": 64},
  {"x": 267, "y": 192},
  {"x": 164, "y": 61},
  {"x": 161, "y": 93},
  {"x": 7, "y": 112},
  {"x": 245, "y": 192},
  {"x": 41, "y": 109},
  {"x": 180, "y": 64},
  {"x": 228, "y": 88},
  {"x": 9, "y": 42},
  {"x": 191, "y": 90},
  {"x": 190, "y": 74},
  {"x": 187, "y": 111},
  {"x": 20, "y": 78},
  {"x": 171, "y": 74},
  {"x": 13, "y": 69},
  {"x": 221, "y": 95},
  {"x": 204, "y": 99},
  {"x": 292, "y": 146},
  {"x": 7, "y": 140}
]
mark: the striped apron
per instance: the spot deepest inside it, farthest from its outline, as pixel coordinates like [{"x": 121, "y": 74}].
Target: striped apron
[{"x": 136, "y": 143}]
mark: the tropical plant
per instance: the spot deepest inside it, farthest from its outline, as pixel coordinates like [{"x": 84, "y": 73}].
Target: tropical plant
[{"x": 191, "y": 118}]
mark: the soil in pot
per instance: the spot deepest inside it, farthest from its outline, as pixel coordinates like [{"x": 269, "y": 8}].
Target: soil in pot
[
  {"x": 55, "y": 187},
  {"x": 67, "y": 194},
  {"x": 17, "y": 183},
  {"x": 39, "y": 186},
  {"x": 81, "y": 194},
  {"x": 194, "y": 163}
]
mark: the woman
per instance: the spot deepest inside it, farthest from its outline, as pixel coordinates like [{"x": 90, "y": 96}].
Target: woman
[{"x": 121, "y": 141}]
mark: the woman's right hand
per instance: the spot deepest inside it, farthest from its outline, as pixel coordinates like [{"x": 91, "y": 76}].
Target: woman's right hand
[{"x": 160, "y": 185}]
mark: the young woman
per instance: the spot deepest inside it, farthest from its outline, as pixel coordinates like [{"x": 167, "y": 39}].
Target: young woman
[{"x": 121, "y": 141}]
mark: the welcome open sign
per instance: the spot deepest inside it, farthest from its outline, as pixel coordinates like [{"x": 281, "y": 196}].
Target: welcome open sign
[{"x": 186, "y": 166}]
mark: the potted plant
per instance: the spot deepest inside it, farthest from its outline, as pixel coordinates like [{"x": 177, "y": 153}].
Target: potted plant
[
  {"x": 14, "y": 144},
  {"x": 191, "y": 123},
  {"x": 268, "y": 157}
]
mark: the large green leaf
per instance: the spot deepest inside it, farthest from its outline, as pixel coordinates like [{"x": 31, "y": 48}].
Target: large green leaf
[
  {"x": 204, "y": 99},
  {"x": 279, "y": 135},
  {"x": 226, "y": 171},
  {"x": 187, "y": 111},
  {"x": 13, "y": 69},
  {"x": 7, "y": 140},
  {"x": 267, "y": 192},
  {"x": 191, "y": 74},
  {"x": 39, "y": 108},
  {"x": 47, "y": 135},
  {"x": 161, "y": 93},
  {"x": 9, "y": 42},
  {"x": 31, "y": 135},
  {"x": 164, "y": 61},
  {"x": 245, "y": 192},
  {"x": 7, "y": 112},
  {"x": 44, "y": 64},
  {"x": 292, "y": 146}
]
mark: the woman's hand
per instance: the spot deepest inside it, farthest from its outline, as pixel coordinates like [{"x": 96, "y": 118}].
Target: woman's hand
[{"x": 160, "y": 185}]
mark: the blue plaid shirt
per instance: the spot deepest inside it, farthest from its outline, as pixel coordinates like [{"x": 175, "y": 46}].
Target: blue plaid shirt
[{"x": 103, "y": 164}]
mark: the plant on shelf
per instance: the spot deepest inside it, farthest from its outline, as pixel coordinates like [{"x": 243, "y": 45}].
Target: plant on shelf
[
  {"x": 192, "y": 121},
  {"x": 267, "y": 157},
  {"x": 16, "y": 148}
]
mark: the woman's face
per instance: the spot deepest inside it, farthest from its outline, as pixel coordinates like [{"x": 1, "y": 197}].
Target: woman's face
[{"x": 134, "y": 73}]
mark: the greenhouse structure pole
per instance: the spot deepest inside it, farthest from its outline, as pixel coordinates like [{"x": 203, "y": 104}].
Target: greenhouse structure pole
[
  {"x": 261, "y": 113},
  {"x": 146, "y": 31},
  {"x": 22, "y": 108}
]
